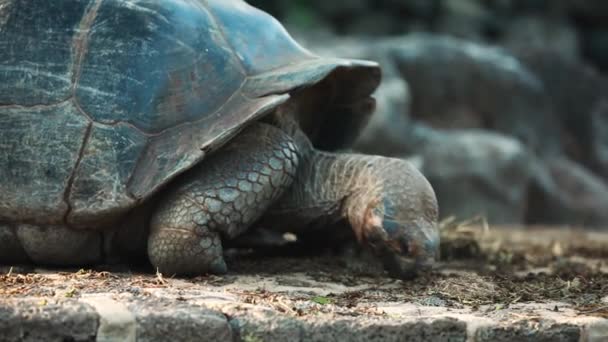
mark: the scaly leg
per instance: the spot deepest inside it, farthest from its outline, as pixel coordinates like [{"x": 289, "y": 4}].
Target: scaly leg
[{"x": 220, "y": 198}]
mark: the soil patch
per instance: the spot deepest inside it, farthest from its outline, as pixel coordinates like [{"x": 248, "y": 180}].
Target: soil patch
[{"x": 482, "y": 269}]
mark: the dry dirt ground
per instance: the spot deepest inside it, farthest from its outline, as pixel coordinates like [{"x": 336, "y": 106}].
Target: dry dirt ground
[{"x": 528, "y": 274}]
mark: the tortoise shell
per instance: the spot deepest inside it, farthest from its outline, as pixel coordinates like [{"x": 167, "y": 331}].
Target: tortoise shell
[{"x": 102, "y": 102}]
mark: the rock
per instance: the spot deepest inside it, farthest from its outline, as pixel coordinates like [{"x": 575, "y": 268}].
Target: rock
[
  {"x": 374, "y": 23},
  {"x": 481, "y": 120},
  {"x": 365, "y": 17},
  {"x": 423, "y": 9},
  {"x": 502, "y": 7},
  {"x": 159, "y": 320},
  {"x": 358, "y": 47},
  {"x": 116, "y": 322},
  {"x": 565, "y": 193},
  {"x": 593, "y": 12},
  {"x": 261, "y": 324},
  {"x": 40, "y": 320},
  {"x": 476, "y": 173},
  {"x": 386, "y": 131},
  {"x": 535, "y": 32},
  {"x": 446, "y": 329},
  {"x": 340, "y": 8},
  {"x": 599, "y": 121},
  {"x": 546, "y": 7},
  {"x": 524, "y": 332},
  {"x": 459, "y": 84},
  {"x": 316, "y": 298},
  {"x": 572, "y": 27},
  {"x": 14, "y": 250},
  {"x": 595, "y": 47},
  {"x": 463, "y": 19},
  {"x": 579, "y": 96}
]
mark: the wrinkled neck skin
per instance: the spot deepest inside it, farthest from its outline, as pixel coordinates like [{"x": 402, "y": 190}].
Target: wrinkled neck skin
[
  {"x": 327, "y": 189},
  {"x": 388, "y": 203},
  {"x": 330, "y": 187}
]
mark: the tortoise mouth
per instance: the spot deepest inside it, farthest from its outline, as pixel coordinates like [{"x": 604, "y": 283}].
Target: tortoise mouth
[{"x": 407, "y": 268}]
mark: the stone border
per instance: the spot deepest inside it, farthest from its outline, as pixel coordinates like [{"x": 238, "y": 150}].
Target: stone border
[{"x": 110, "y": 317}]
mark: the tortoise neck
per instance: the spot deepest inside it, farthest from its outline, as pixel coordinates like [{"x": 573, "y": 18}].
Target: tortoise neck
[{"x": 328, "y": 188}]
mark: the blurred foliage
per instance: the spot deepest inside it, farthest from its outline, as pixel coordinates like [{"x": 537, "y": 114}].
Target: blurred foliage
[{"x": 300, "y": 14}]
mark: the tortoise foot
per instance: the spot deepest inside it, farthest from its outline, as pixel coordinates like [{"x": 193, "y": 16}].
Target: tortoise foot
[
  {"x": 220, "y": 199},
  {"x": 186, "y": 251}
]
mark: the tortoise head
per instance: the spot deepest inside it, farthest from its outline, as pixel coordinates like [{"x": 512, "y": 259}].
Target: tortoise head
[
  {"x": 405, "y": 248},
  {"x": 400, "y": 226}
]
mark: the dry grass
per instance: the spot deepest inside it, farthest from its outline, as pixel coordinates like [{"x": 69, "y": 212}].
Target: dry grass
[{"x": 569, "y": 268}]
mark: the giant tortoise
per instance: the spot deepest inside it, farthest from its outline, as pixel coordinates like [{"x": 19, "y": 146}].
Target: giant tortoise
[{"x": 173, "y": 126}]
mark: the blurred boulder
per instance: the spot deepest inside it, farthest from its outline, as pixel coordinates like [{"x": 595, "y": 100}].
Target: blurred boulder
[
  {"x": 475, "y": 172},
  {"x": 564, "y": 192},
  {"x": 536, "y": 32},
  {"x": 374, "y": 23},
  {"x": 595, "y": 46},
  {"x": 386, "y": 132},
  {"x": 490, "y": 128},
  {"x": 424, "y": 9},
  {"x": 591, "y": 17},
  {"x": 460, "y": 84},
  {"x": 579, "y": 97},
  {"x": 463, "y": 19},
  {"x": 481, "y": 120},
  {"x": 338, "y": 8},
  {"x": 593, "y": 12},
  {"x": 569, "y": 27},
  {"x": 599, "y": 121}
]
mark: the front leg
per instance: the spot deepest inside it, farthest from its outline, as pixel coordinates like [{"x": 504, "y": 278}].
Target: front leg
[{"x": 219, "y": 199}]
